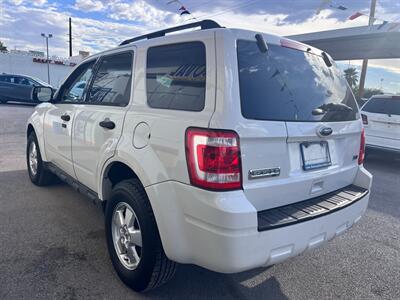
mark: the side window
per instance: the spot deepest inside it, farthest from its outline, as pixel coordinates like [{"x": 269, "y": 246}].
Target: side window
[
  {"x": 31, "y": 82},
  {"x": 71, "y": 90},
  {"x": 23, "y": 81},
  {"x": 112, "y": 82},
  {"x": 176, "y": 76},
  {"x": 6, "y": 79}
]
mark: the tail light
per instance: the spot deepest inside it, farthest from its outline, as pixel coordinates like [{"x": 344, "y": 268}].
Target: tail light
[
  {"x": 213, "y": 159},
  {"x": 361, "y": 155},
  {"x": 364, "y": 119}
]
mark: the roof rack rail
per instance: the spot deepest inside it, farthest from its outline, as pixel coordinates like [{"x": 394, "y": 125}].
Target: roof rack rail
[{"x": 205, "y": 24}]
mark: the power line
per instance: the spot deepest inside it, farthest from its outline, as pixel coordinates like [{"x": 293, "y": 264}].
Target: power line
[{"x": 248, "y": 3}]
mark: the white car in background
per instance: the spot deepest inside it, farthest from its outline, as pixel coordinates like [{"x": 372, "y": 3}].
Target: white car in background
[{"x": 381, "y": 119}]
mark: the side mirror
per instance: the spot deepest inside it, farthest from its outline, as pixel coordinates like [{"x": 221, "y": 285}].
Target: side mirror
[{"x": 42, "y": 94}]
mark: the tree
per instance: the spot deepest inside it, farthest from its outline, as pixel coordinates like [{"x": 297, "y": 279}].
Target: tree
[
  {"x": 351, "y": 75},
  {"x": 368, "y": 93},
  {"x": 2, "y": 47}
]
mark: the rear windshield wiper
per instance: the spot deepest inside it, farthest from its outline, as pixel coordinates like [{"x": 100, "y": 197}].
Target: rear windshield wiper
[{"x": 320, "y": 110}]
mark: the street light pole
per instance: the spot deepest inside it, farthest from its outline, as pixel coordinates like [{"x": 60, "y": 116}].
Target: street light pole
[
  {"x": 47, "y": 37},
  {"x": 365, "y": 61}
]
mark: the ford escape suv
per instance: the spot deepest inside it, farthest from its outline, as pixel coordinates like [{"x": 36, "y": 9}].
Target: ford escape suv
[{"x": 224, "y": 148}]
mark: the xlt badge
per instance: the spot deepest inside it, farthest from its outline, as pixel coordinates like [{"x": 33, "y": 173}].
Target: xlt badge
[{"x": 266, "y": 172}]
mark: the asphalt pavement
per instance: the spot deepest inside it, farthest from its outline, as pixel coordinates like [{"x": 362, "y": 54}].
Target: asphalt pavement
[{"x": 52, "y": 244}]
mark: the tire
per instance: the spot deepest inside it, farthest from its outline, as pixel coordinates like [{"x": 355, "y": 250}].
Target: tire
[
  {"x": 42, "y": 176},
  {"x": 152, "y": 267}
]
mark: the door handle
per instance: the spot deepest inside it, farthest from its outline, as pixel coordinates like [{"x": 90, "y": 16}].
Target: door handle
[
  {"x": 65, "y": 117},
  {"x": 107, "y": 123}
]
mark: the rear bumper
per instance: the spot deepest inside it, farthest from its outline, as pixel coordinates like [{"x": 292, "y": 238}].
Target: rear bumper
[{"x": 219, "y": 231}]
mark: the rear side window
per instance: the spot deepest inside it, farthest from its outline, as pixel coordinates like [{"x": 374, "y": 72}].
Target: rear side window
[
  {"x": 176, "y": 76},
  {"x": 383, "y": 105},
  {"x": 7, "y": 79},
  {"x": 286, "y": 84},
  {"x": 112, "y": 82}
]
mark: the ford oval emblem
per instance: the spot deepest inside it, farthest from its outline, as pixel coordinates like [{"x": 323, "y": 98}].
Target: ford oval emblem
[{"x": 325, "y": 131}]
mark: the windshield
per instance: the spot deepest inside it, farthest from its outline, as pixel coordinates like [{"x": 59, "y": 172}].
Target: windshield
[
  {"x": 40, "y": 81},
  {"x": 285, "y": 84}
]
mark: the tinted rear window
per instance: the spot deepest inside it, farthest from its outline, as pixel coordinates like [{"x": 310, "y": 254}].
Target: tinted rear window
[
  {"x": 290, "y": 85},
  {"x": 383, "y": 106},
  {"x": 176, "y": 76}
]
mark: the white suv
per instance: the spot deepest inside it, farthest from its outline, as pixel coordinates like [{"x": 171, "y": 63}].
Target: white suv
[
  {"x": 381, "y": 119},
  {"x": 224, "y": 148}
]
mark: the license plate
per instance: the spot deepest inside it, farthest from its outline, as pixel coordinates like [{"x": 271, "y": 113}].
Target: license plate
[{"x": 315, "y": 155}]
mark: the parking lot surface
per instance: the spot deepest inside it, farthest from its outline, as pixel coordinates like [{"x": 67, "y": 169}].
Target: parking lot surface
[{"x": 52, "y": 244}]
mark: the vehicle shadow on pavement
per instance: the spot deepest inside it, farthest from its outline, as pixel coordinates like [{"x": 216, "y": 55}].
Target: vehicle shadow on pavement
[
  {"x": 55, "y": 257},
  {"x": 386, "y": 171},
  {"x": 192, "y": 282}
]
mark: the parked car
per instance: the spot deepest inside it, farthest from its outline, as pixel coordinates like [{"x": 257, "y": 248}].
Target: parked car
[
  {"x": 381, "y": 119},
  {"x": 77, "y": 90},
  {"x": 225, "y": 148},
  {"x": 18, "y": 88}
]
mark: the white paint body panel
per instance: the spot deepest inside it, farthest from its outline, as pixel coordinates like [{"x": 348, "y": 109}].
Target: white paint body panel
[
  {"x": 216, "y": 229},
  {"x": 210, "y": 229},
  {"x": 57, "y": 139},
  {"x": 93, "y": 145},
  {"x": 382, "y": 131}
]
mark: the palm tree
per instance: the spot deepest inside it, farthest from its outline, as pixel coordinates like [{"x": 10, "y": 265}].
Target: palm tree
[
  {"x": 2, "y": 47},
  {"x": 351, "y": 75}
]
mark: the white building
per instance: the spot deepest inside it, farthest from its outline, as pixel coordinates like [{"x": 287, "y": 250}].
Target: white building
[{"x": 35, "y": 64}]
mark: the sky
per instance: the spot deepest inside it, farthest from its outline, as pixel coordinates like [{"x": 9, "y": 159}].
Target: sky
[{"x": 103, "y": 24}]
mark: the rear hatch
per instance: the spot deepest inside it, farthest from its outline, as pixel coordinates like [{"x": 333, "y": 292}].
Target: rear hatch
[
  {"x": 300, "y": 133},
  {"x": 382, "y": 117}
]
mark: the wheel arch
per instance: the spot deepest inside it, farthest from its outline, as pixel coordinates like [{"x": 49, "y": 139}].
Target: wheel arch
[
  {"x": 29, "y": 130},
  {"x": 114, "y": 172},
  {"x": 106, "y": 184}
]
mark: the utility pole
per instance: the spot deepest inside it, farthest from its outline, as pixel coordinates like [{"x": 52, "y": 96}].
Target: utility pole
[
  {"x": 365, "y": 60},
  {"x": 70, "y": 37},
  {"x": 47, "y": 37}
]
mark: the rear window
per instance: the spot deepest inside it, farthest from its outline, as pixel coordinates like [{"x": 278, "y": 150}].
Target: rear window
[
  {"x": 285, "y": 84},
  {"x": 383, "y": 106},
  {"x": 176, "y": 76}
]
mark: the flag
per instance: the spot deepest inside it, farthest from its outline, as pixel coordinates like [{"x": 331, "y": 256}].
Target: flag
[
  {"x": 383, "y": 24},
  {"x": 355, "y": 16},
  {"x": 182, "y": 8},
  {"x": 185, "y": 12},
  {"x": 322, "y": 6}
]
